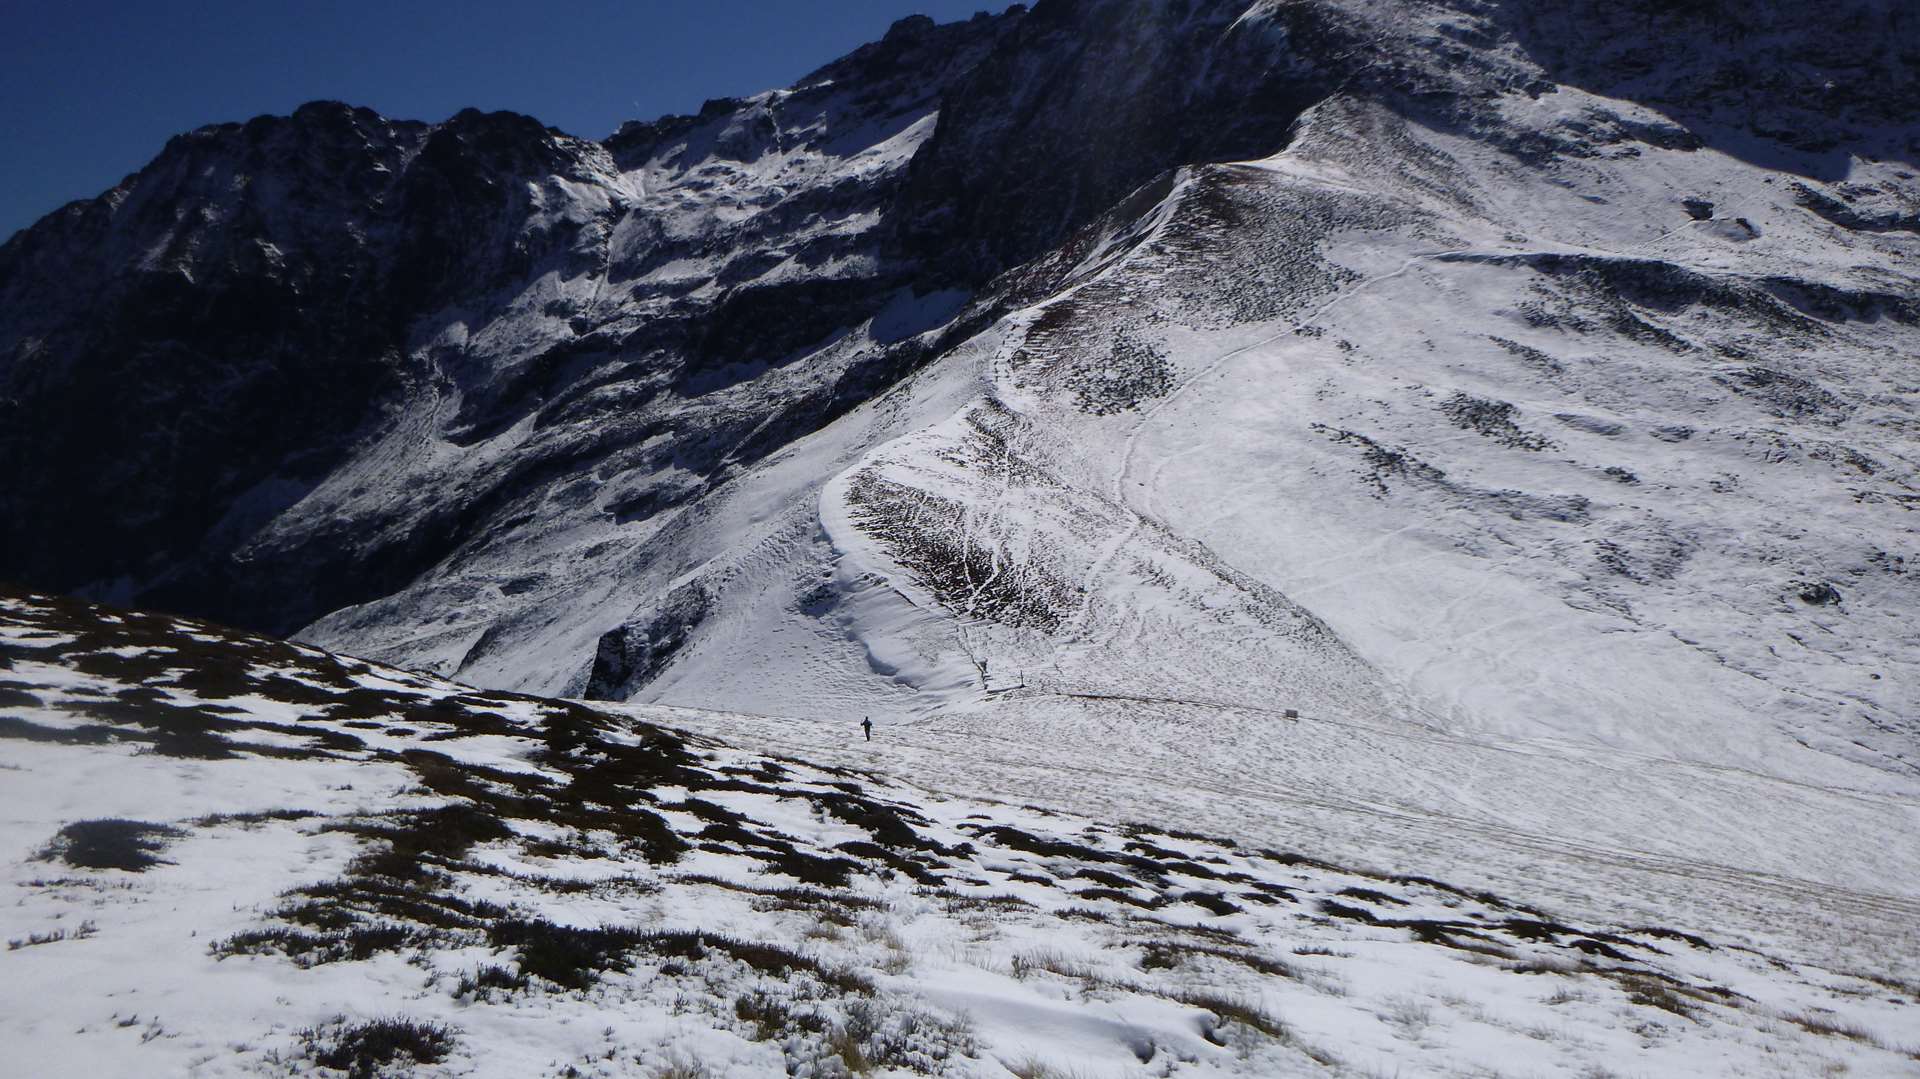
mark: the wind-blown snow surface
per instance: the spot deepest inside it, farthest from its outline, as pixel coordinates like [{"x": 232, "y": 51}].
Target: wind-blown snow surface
[{"x": 232, "y": 856}]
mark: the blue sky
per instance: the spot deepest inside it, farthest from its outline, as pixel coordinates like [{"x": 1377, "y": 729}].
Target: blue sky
[{"x": 90, "y": 91}]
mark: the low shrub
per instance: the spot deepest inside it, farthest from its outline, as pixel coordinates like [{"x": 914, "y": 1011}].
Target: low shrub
[{"x": 362, "y": 1050}]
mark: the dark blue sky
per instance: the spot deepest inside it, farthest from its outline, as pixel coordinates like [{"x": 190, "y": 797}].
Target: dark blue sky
[{"x": 90, "y": 91}]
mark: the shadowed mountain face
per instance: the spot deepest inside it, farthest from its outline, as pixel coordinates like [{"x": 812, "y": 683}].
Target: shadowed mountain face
[
  {"x": 445, "y": 392},
  {"x": 191, "y": 356},
  {"x": 192, "y": 353}
]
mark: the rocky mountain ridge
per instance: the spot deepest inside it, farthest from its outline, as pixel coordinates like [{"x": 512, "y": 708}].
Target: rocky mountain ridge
[
  {"x": 549, "y": 413},
  {"x": 1477, "y": 439}
]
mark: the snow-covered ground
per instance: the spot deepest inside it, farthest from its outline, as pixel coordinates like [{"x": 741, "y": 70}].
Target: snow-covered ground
[{"x": 231, "y": 856}]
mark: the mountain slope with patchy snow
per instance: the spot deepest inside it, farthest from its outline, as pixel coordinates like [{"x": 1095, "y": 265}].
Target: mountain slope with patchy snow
[{"x": 1474, "y": 441}]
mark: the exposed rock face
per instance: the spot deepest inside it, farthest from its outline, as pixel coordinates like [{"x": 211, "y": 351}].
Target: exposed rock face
[
  {"x": 187, "y": 360},
  {"x": 192, "y": 353},
  {"x": 1084, "y": 102},
  {"x": 632, "y": 655}
]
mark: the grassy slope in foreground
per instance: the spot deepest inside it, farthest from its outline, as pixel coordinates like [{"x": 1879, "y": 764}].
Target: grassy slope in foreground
[{"x": 232, "y": 855}]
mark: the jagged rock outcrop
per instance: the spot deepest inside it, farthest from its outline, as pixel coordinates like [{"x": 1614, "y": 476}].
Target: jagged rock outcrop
[
  {"x": 632, "y": 655},
  {"x": 192, "y": 356}
]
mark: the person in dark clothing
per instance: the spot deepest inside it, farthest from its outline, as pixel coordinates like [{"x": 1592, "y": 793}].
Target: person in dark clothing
[{"x": 867, "y": 725}]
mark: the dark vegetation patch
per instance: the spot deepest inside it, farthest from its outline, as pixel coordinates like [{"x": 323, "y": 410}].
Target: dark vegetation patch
[
  {"x": 1171, "y": 954},
  {"x": 784, "y": 897},
  {"x": 1620, "y": 290},
  {"x": 913, "y": 868},
  {"x": 1593, "y": 942},
  {"x": 891, "y": 826},
  {"x": 15, "y": 697},
  {"x": 603, "y": 800},
  {"x": 1101, "y": 876},
  {"x": 1840, "y": 212},
  {"x": 52, "y": 936},
  {"x": 484, "y": 983},
  {"x": 1381, "y": 462},
  {"x": 1008, "y": 836},
  {"x": 335, "y": 904},
  {"x": 1129, "y": 373},
  {"x": 1786, "y": 396},
  {"x": 1348, "y": 911},
  {"x": 1493, "y": 420},
  {"x": 1831, "y": 1026},
  {"x": 1288, "y": 858},
  {"x": 1137, "y": 830},
  {"x": 1212, "y": 902},
  {"x": 212, "y": 820},
  {"x": 922, "y": 532},
  {"x": 804, "y": 867},
  {"x": 765, "y": 958},
  {"x": 364, "y": 1050},
  {"x": 1653, "y": 992},
  {"x": 1230, "y": 1010},
  {"x": 1117, "y": 896},
  {"x": 417, "y": 843},
  {"x": 25, "y": 730},
  {"x": 952, "y": 902},
  {"x": 770, "y": 1017},
  {"x": 311, "y": 949},
  {"x": 569, "y": 956},
  {"x": 1268, "y": 895},
  {"x": 1598, "y": 949},
  {"x": 1477, "y": 895},
  {"x": 112, "y": 843},
  {"x": 1447, "y": 934},
  {"x": 605, "y": 887},
  {"x": 1532, "y": 357},
  {"x": 1372, "y": 896},
  {"x": 1659, "y": 933}
]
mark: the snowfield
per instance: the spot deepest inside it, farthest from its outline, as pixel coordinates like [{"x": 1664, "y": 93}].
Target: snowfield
[{"x": 232, "y": 856}]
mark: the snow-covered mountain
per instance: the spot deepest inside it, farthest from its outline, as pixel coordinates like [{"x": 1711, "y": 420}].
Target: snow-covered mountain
[
  {"x": 472, "y": 395},
  {"x": 1473, "y": 440}
]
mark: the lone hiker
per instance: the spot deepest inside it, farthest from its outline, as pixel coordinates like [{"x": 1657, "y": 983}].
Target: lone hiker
[{"x": 866, "y": 724}]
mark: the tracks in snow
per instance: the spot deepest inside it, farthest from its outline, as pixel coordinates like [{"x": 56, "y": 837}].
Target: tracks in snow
[{"x": 1137, "y": 516}]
